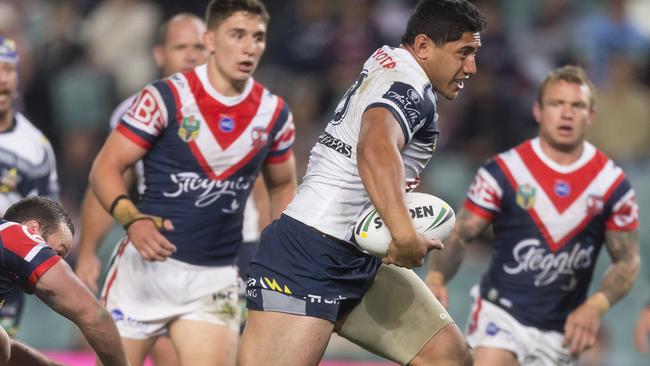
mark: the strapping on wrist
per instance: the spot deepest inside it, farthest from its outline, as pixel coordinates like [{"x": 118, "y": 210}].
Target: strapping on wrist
[
  {"x": 600, "y": 301},
  {"x": 124, "y": 210}
]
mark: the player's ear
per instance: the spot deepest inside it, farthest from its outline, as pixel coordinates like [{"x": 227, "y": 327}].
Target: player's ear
[
  {"x": 159, "y": 55},
  {"x": 421, "y": 46},
  {"x": 537, "y": 112},
  {"x": 208, "y": 40},
  {"x": 33, "y": 227}
]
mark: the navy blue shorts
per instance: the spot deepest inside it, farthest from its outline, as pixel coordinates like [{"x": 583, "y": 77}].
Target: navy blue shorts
[{"x": 299, "y": 270}]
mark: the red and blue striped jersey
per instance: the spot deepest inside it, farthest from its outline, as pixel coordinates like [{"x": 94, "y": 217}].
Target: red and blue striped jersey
[
  {"x": 24, "y": 258},
  {"x": 204, "y": 151},
  {"x": 549, "y": 223}
]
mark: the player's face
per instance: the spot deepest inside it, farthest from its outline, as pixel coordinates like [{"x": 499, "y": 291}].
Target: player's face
[
  {"x": 60, "y": 240},
  {"x": 183, "y": 48},
  {"x": 236, "y": 46},
  {"x": 564, "y": 114},
  {"x": 449, "y": 65},
  {"x": 8, "y": 82}
]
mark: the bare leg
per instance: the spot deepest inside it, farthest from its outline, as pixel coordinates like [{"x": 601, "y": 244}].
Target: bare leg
[
  {"x": 200, "y": 343},
  {"x": 495, "y": 356},
  {"x": 279, "y": 339}
]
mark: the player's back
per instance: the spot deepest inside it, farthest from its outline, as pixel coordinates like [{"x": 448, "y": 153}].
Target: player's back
[{"x": 332, "y": 194}]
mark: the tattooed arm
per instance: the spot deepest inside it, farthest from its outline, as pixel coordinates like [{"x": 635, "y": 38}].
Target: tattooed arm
[
  {"x": 581, "y": 327},
  {"x": 443, "y": 264}
]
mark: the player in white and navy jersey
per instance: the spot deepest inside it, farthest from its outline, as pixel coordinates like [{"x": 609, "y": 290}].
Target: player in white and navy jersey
[
  {"x": 27, "y": 163},
  {"x": 34, "y": 236},
  {"x": 552, "y": 201},
  {"x": 204, "y": 136},
  {"x": 308, "y": 279}
]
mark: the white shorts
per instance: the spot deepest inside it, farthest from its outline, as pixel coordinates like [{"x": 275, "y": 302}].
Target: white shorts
[
  {"x": 492, "y": 327},
  {"x": 144, "y": 297}
]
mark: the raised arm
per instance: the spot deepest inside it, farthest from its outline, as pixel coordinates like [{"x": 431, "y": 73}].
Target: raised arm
[
  {"x": 444, "y": 264},
  {"x": 62, "y": 291},
  {"x": 382, "y": 170},
  {"x": 581, "y": 327}
]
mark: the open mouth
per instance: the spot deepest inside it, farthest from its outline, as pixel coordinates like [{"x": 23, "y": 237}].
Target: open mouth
[
  {"x": 565, "y": 130},
  {"x": 245, "y": 66}
]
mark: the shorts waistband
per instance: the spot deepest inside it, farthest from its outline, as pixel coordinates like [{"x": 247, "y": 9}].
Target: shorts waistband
[{"x": 344, "y": 243}]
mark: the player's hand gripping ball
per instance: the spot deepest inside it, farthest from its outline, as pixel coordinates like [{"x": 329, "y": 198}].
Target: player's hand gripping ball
[{"x": 432, "y": 217}]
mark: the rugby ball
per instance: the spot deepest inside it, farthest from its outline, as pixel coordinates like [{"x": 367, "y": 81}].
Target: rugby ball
[{"x": 432, "y": 217}]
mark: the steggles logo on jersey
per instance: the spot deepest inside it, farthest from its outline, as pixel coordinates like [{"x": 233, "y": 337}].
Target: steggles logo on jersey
[
  {"x": 526, "y": 196},
  {"x": 189, "y": 129},
  {"x": 226, "y": 124},
  {"x": 9, "y": 180},
  {"x": 532, "y": 257},
  {"x": 211, "y": 190},
  {"x": 562, "y": 188}
]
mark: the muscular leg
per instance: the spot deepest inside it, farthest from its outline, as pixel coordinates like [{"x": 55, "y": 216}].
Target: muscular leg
[
  {"x": 494, "y": 356},
  {"x": 200, "y": 343},
  {"x": 279, "y": 339},
  {"x": 163, "y": 352}
]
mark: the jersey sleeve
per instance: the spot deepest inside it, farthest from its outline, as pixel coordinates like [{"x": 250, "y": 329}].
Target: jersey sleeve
[
  {"x": 146, "y": 118},
  {"x": 25, "y": 255},
  {"x": 411, "y": 108},
  {"x": 283, "y": 135},
  {"x": 485, "y": 193},
  {"x": 624, "y": 215}
]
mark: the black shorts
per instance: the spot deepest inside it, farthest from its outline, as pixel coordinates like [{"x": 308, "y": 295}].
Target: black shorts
[{"x": 299, "y": 270}]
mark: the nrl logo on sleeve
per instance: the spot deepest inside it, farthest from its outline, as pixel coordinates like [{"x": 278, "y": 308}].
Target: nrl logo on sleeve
[
  {"x": 189, "y": 129},
  {"x": 526, "y": 196}
]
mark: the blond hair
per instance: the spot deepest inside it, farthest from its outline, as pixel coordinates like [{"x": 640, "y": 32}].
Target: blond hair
[{"x": 571, "y": 74}]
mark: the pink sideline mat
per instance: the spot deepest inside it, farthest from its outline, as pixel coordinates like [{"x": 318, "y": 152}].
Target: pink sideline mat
[{"x": 88, "y": 359}]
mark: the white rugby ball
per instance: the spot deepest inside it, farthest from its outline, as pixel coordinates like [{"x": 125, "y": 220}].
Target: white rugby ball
[{"x": 432, "y": 217}]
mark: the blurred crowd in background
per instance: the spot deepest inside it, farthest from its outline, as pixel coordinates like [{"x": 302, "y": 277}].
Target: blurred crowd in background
[{"x": 80, "y": 58}]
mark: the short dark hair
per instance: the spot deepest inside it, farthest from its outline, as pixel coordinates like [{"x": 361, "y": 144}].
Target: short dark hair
[
  {"x": 218, "y": 10},
  {"x": 49, "y": 214},
  {"x": 161, "y": 37},
  {"x": 443, "y": 21}
]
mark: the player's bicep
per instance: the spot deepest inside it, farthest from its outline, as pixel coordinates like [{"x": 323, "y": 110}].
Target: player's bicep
[
  {"x": 379, "y": 127},
  {"x": 119, "y": 152},
  {"x": 62, "y": 291},
  {"x": 280, "y": 175},
  {"x": 622, "y": 245}
]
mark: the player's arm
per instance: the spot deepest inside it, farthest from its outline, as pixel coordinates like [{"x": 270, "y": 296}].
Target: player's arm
[
  {"x": 444, "y": 264},
  {"x": 382, "y": 170},
  {"x": 280, "y": 180},
  {"x": 118, "y": 154},
  {"x": 62, "y": 291},
  {"x": 262, "y": 203},
  {"x": 96, "y": 222},
  {"x": 642, "y": 331},
  {"x": 582, "y": 324}
]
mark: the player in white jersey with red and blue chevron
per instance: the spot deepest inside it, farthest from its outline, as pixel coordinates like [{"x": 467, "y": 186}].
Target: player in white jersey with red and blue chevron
[
  {"x": 308, "y": 279},
  {"x": 552, "y": 201},
  {"x": 204, "y": 136}
]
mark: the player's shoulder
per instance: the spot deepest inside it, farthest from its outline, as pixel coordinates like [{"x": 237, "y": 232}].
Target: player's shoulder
[
  {"x": 391, "y": 64},
  {"x": 26, "y": 129},
  {"x": 16, "y": 238}
]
